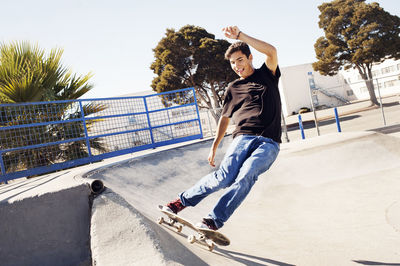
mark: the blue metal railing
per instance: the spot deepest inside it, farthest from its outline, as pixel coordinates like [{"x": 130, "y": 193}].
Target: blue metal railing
[{"x": 41, "y": 137}]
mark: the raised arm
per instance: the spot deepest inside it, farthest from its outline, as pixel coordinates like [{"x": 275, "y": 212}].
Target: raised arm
[{"x": 271, "y": 61}]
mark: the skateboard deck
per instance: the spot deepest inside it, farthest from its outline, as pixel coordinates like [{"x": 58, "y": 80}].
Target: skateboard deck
[{"x": 207, "y": 236}]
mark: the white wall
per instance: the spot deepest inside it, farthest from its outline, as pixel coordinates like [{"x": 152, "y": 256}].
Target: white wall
[
  {"x": 385, "y": 74},
  {"x": 295, "y": 88},
  {"x": 348, "y": 84}
]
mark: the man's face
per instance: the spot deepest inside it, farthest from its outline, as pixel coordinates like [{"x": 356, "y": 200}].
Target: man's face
[{"x": 242, "y": 65}]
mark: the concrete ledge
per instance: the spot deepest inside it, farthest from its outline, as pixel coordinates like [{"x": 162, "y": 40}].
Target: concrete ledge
[
  {"x": 123, "y": 236},
  {"x": 50, "y": 229},
  {"x": 330, "y": 199},
  {"x": 48, "y": 220}
]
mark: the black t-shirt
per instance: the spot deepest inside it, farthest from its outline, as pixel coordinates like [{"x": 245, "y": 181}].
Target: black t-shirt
[{"x": 255, "y": 104}]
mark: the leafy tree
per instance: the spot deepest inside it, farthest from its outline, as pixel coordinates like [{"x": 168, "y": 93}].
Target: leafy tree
[
  {"x": 357, "y": 35},
  {"x": 28, "y": 74},
  {"x": 192, "y": 57}
]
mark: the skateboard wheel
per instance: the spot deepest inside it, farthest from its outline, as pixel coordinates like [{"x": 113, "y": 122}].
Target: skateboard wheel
[
  {"x": 191, "y": 239},
  {"x": 160, "y": 220},
  {"x": 211, "y": 247},
  {"x": 179, "y": 228},
  {"x": 202, "y": 237}
]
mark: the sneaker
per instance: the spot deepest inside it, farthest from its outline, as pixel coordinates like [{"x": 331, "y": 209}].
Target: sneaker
[
  {"x": 175, "y": 206},
  {"x": 207, "y": 223}
]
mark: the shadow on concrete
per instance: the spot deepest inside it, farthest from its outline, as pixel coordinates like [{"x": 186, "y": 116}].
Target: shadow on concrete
[
  {"x": 390, "y": 104},
  {"x": 29, "y": 185},
  {"x": 366, "y": 262},
  {"x": 387, "y": 130},
  {"x": 311, "y": 124},
  {"x": 241, "y": 258}
]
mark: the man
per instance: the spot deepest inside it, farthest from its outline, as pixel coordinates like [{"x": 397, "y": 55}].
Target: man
[{"x": 254, "y": 101}]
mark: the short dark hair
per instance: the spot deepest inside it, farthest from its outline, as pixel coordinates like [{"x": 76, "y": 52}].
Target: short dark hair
[{"x": 237, "y": 46}]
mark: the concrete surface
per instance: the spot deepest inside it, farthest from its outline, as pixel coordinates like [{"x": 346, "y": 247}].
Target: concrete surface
[
  {"x": 358, "y": 116},
  {"x": 120, "y": 235},
  {"x": 50, "y": 229},
  {"x": 329, "y": 200}
]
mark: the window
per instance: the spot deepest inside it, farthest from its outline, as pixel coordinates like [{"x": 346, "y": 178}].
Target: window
[
  {"x": 376, "y": 73},
  {"x": 388, "y": 69},
  {"x": 391, "y": 83},
  {"x": 350, "y": 92}
]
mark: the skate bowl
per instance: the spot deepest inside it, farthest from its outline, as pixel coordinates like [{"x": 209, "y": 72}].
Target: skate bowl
[
  {"x": 52, "y": 228},
  {"x": 331, "y": 200},
  {"x": 81, "y": 223},
  {"x": 327, "y": 200}
]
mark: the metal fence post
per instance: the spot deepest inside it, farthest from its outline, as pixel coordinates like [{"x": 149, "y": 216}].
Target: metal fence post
[
  {"x": 197, "y": 110},
  {"x": 313, "y": 90},
  {"x": 3, "y": 169},
  {"x": 285, "y": 127},
  {"x": 169, "y": 121},
  {"x": 148, "y": 121},
  {"x": 337, "y": 120},
  {"x": 380, "y": 102},
  {"x": 301, "y": 128},
  {"x": 85, "y": 129},
  {"x": 209, "y": 123}
]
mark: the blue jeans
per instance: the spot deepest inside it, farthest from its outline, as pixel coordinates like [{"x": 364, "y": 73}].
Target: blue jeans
[{"x": 247, "y": 157}]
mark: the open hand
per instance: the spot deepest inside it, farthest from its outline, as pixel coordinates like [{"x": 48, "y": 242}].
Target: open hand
[{"x": 231, "y": 32}]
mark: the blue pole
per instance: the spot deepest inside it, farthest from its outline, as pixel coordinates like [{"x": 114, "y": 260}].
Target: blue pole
[
  {"x": 85, "y": 129},
  {"x": 197, "y": 110},
  {"x": 337, "y": 121},
  {"x": 149, "y": 122},
  {"x": 3, "y": 169},
  {"x": 301, "y": 128}
]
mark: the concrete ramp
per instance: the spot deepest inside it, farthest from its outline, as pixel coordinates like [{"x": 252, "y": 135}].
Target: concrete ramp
[
  {"x": 331, "y": 200},
  {"x": 120, "y": 235},
  {"x": 57, "y": 220},
  {"x": 48, "y": 229},
  {"x": 153, "y": 179}
]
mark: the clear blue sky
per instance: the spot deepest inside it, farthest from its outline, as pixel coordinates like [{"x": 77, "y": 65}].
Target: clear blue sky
[{"x": 114, "y": 39}]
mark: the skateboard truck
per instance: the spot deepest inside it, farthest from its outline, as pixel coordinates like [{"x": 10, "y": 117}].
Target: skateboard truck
[
  {"x": 171, "y": 223},
  {"x": 202, "y": 239}
]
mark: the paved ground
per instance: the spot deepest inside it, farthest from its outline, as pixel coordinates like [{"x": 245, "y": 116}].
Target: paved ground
[
  {"x": 358, "y": 116},
  {"x": 329, "y": 200}
]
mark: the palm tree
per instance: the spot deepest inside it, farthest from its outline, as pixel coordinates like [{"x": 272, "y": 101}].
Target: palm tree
[{"x": 28, "y": 74}]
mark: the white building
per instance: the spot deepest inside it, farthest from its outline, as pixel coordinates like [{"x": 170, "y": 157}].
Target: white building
[
  {"x": 299, "y": 84},
  {"x": 386, "y": 76}
]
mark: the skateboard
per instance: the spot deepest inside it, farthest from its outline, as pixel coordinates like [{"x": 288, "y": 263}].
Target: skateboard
[{"x": 203, "y": 236}]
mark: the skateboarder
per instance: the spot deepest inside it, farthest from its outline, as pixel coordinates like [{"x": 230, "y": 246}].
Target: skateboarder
[{"x": 254, "y": 102}]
